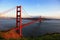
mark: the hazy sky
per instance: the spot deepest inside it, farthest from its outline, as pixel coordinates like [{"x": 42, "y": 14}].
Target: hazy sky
[{"x": 33, "y": 7}]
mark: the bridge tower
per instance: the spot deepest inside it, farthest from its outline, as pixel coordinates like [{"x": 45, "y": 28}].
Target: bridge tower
[{"x": 19, "y": 20}]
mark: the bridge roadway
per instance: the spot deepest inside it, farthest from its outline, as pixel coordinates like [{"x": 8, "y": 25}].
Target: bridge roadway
[{"x": 27, "y": 24}]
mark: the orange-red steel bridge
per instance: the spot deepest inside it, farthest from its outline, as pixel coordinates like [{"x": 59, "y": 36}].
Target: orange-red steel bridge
[{"x": 19, "y": 18}]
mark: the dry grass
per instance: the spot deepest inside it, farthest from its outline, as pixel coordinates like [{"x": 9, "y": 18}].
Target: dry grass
[{"x": 9, "y": 34}]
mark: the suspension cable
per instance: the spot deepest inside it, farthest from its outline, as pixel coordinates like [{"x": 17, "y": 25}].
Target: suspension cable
[
  {"x": 4, "y": 12},
  {"x": 26, "y": 12}
]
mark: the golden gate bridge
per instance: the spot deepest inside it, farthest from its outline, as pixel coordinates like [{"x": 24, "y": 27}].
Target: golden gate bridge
[{"x": 19, "y": 18}]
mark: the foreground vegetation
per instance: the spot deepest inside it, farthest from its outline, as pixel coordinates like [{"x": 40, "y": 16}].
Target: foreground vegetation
[
  {"x": 12, "y": 35},
  {"x": 53, "y": 36}
]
